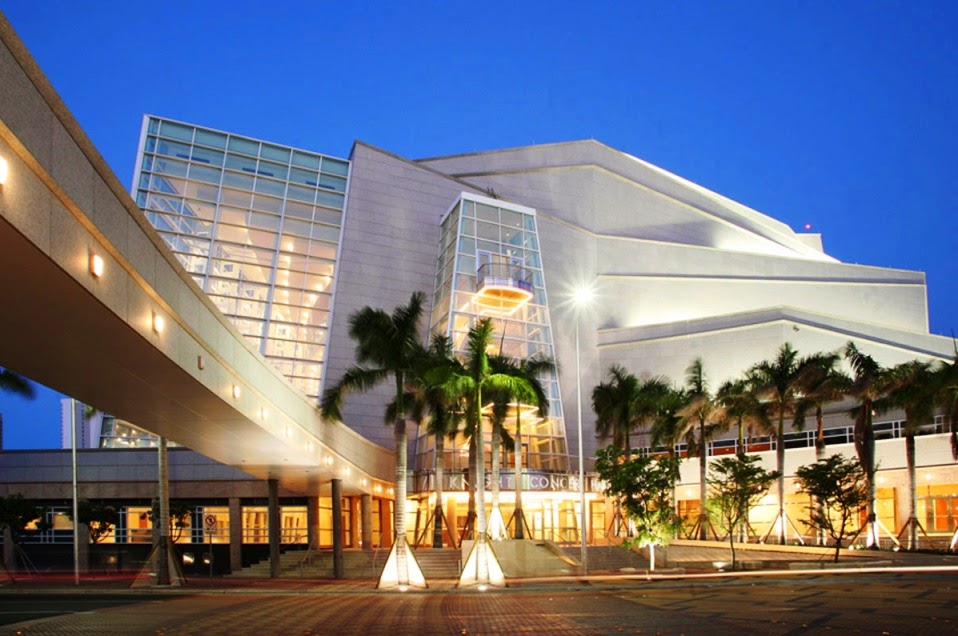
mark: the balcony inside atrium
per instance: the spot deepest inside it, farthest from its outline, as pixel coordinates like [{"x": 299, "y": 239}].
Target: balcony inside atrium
[{"x": 502, "y": 287}]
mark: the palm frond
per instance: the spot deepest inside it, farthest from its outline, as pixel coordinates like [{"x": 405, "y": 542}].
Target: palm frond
[{"x": 16, "y": 384}]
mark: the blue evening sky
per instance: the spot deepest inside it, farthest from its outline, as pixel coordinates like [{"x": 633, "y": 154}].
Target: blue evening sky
[{"x": 840, "y": 114}]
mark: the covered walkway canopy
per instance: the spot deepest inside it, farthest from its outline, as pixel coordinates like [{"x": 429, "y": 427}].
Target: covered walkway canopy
[{"x": 95, "y": 306}]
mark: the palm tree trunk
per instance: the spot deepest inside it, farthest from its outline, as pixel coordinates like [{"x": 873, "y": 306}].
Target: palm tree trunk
[
  {"x": 819, "y": 434},
  {"x": 470, "y": 529},
  {"x": 703, "y": 488},
  {"x": 872, "y": 522},
  {"x": 495, "y": 453},
  {"x": 496, "y": 523},
  {"x": 480, "y": 473},
  {"x": 438, "y": 514},
  {"x": 399, "y": 513},
  {"x": 518, "y": 514},
  {"x": 780, "y": 465},
  {"x": 912, "y": 491},
  {"x": 483, "y": 573},
  {"x": 819, "y": 456}
]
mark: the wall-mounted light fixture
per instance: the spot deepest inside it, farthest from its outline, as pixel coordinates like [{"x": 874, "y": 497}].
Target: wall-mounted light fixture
[
  {"x": 237, "y": 391},
  {"x": 4, "y": 170},
  {"x": 159, "y": 324},
  {"x": 96, "y": 265}
]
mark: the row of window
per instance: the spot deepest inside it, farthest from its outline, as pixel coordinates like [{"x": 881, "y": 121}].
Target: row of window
[
  {"x": 270, "y": 178},
  {"x": 211, "y": 139},
  {"x": 136, "y": 525},
  {"x": 259, "y": 196}
]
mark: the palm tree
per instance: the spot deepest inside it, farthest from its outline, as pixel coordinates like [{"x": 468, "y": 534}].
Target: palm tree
[
  {"x": 742, "y": 409},
  {"x": 498, "y": 411},
  {"x": 528, "y": 370},
  {"x": 947, "y": 398},
  {"x": 472, "y": 381},
  {"x": 624, "y": 404},
  {"x": 825, "y": 382},
  {"x": 653, "y": 398},
  {"x": 913, "y": 386},
  {"x": 386, "y": 345},
  {"x": 869, "y": 385},
  {"x": 614, "y": 404},
  {"x": 780, "y": 384},
  {"x": 666, "y": 429},
  {"x": 701, "y": 418},
  {"x": 441, "y": 414},
  {"x": 15, "y": 384}
]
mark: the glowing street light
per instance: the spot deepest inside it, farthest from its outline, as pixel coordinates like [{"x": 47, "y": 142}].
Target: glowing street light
[{"x": 582, "y": 299}]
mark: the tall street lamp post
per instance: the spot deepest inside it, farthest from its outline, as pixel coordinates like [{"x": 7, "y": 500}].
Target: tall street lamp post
[{"x": 582, "y": 298}]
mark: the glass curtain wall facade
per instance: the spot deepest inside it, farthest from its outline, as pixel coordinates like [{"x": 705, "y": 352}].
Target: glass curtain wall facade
[
  {"x": 258, "y": 226},
  {"x": 489, "y": 266}
]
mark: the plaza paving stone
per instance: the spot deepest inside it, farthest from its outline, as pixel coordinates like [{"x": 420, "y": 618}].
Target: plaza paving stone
[{"x": 822, "y": 603}]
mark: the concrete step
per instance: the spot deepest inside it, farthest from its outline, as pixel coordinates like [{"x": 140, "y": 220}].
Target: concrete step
[
  {"x": 357, "y": 564},
  {"x": 442, "y": 563},
  {"x": 611, "y": 558}
]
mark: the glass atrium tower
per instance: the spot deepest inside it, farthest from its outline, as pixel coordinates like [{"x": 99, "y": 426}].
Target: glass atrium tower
[
  {"x": 258, "y": 226},
  {"x": 489, "y": 267}
]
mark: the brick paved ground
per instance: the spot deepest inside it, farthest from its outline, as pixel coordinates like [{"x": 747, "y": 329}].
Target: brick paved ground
[{"x": 826, "y": 603}]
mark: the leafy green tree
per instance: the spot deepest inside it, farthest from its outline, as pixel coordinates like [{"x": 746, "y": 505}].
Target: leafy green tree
[
  {"x": 100, "y": 518},
  {"x": 624, "y": 404},
  {"x": 839, "y": 493},
  {"x": 180, "y": 511},
  {"x": 701, "y": 418},
  {"x": 736, "y": 484},
  {"x": 870, "y": 385},
  {"x": 645, "y": 486},
  {"x": 387, "y": 345},
  {"x": 16, "y": 512},
  {"x": 912, "y": 387},
  {"x": 780, "y": 383}
]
